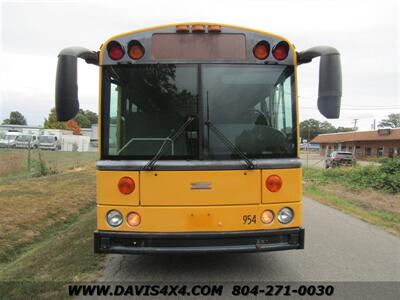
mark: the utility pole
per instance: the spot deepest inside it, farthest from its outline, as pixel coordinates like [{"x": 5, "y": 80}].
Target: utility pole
[
  {"x": 355, "y": 124},
  {"x": 374, "y": 124}
]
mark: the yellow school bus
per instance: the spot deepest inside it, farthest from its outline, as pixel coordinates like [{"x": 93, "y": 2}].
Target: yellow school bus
[{"x": 199, "y": 137}]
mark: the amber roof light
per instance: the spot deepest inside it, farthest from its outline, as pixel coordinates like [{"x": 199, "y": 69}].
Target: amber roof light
[{"x": 198, "y": 28}]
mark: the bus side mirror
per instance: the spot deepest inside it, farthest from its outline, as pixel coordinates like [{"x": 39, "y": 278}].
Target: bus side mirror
[
  {"x": 67, "y": 103},
  {"x": 330, "y": 78}
]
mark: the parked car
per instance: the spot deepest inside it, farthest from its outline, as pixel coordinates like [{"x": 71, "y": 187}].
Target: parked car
[
  {"x": 340, "y": 158},
  {"x": 9, "y": 140},
  {"x": 49, "y": 142},
  {"x": 26, "y": 141}
]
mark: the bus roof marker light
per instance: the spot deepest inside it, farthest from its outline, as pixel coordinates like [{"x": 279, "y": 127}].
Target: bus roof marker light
[
  {"x": 182, "y": 28},
  {"x": 261, "y": 50},
  {"x": 281, "y": 50},
  {"x": 214, "y": 28},
  {"x": 273, "y": 183},
  {"x": 115, "y": 50},
  {"x": 135, "y": 50},
  {"x": 198, "y": 28},
  {"x": 126, "y": 185}
]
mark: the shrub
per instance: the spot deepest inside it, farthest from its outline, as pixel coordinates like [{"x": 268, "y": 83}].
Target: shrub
[{"x": 385, "y": 177}]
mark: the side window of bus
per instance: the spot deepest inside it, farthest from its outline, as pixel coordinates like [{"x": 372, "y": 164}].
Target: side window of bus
[
  {"x": 280, "y": 104},
  {"x": 115, "y": 118}
]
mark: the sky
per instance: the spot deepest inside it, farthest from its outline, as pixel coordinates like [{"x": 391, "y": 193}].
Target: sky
[{"x": 365, "y": 32}]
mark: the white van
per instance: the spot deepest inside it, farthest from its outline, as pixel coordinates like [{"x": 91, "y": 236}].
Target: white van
[
  {"x": 9, "y": 139},
  {"x": 49, "y": 142},
  {"x": 26, "y": 141}
]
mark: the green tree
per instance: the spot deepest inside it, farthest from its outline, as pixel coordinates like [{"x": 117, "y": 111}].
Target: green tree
[
  {"x": 51, "y": 121},
  {"x": 326, "y": 127},
  {"x": 82, "y": 120},
  {"x": 92, "y": 116},
  {"x": 16, "y": 118},
  {"x": 393, "y": 121},
  {"x": 309, "y": 129}
]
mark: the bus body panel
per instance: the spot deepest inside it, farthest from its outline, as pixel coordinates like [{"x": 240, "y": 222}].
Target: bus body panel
[
  {"x": 107, "y": 188},
  {"x": 199, "y": 218},
  {"x": 291, "y": 190},
  {"x": 191, "y": 188}
]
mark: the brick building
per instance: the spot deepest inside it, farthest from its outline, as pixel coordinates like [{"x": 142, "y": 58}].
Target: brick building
[{"x": 363, "y": 144}]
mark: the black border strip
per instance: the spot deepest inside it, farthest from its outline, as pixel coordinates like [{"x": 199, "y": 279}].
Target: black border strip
[{"x": 196, "y": 165}]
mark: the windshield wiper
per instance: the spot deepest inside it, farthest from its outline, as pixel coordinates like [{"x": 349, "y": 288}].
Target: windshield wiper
[
  {"x": 170, "y": 138},
  {"x": 229, "y": 144}
]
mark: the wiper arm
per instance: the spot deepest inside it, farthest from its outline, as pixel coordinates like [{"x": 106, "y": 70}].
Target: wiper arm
[
  {"x": 170, "y": 138},
  {"x": 229, "y": 144}
]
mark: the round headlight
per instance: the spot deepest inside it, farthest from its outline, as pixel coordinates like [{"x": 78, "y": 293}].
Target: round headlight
[
  {"x": 114, "y": 218},
  {"x": 285, "y": 215}
]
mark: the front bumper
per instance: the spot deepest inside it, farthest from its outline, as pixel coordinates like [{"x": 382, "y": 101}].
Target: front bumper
[{"x": 198, "y": 242}]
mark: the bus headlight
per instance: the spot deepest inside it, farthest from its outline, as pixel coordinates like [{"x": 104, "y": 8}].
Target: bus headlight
[
  {"x": 285, "y": 215},
  {"x": 114, "y": 218}
]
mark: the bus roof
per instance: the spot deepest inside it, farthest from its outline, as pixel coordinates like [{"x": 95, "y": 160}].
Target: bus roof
[{"x": 146, "y": 38}]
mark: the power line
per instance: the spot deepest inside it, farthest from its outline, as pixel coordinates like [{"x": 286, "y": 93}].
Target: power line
[
  {"x": 358, "y": 106},
  {"x": 354, "y": 108}
]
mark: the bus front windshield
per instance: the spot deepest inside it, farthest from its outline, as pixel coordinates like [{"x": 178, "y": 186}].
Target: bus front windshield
[{"x": 194, "y": 108}]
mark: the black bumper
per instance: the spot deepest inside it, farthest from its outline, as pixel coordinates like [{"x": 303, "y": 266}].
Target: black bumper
[{"x": 198, "y": 242}]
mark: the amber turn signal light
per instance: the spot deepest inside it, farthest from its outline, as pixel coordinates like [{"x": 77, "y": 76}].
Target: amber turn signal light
[
  {"x": 261, "y": 50},
  {"x": 267, "y": 216},
  {"x": 198, "y": 28},
  {"x": 135, "y": 50},
  {"x": 126, "y": 185},
  {"x": 273, "y": 183},
  {"x": 182, "y": 28},
  {"x": 214, "y": 28},
  {"x": 133, "y": 219}
]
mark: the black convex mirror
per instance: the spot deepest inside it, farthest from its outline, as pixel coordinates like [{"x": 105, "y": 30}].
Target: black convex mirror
[
  {"x": 67, "y": 103},
  {"x": 330, "y": 78}
]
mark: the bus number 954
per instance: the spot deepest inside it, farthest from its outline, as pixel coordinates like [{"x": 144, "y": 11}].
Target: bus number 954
[{"x": 249, "y": 219}]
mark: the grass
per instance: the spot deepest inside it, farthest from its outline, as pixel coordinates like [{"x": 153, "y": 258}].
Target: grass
[
  {"x": 378, "y": 208},
  {"x": 31, "y": 208},
  {"x": 46, "y": 269},
  {"x": 14, "y": 162},
  {"x": 46, "y": 224}
]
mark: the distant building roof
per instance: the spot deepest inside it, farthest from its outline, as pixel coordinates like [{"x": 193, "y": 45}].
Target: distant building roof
[{"x": 388, "y": 134}]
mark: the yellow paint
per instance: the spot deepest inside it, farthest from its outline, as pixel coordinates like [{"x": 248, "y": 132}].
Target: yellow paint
[
  {"x": 291, "y": 189},
  {"x": 99, "y": 118},
  {"x": 108, "y": 192},
  {"x": 293, "y": 50},
  {"x": 198, "y": 218},
  {"x": 178, "y": 187}
]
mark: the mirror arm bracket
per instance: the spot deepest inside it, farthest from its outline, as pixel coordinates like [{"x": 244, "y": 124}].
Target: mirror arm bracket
[
  {"x": 91, "y": 57},
  {"x": 307, "y": 56}
]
